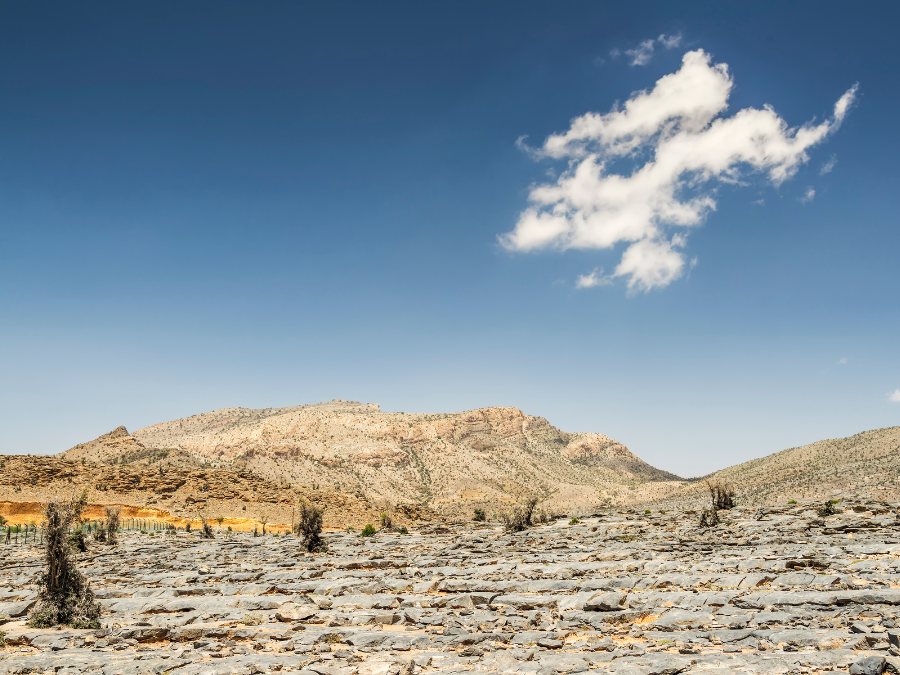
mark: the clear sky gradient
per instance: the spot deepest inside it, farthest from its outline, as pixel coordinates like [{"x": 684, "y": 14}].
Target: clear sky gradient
[{"x": 206, "y": 205}]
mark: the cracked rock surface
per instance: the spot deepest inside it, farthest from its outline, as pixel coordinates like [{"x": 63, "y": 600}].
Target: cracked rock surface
[{"x": 770, "y": 590}]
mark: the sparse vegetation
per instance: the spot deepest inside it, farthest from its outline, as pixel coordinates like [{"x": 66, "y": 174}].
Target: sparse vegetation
[
  {"x": 254, "y": 619},
  {"x": 480, "y": 516},
  {"x": 112, "y": 523},
  {"x": 77, "y": 540},
  {"x": 207, "y": 531},
  {"x": 828, "y": 508},
  {"x": 368, "y": 530},
  {"x": 520, "y": 518},
  {"x": 721, "y": 493},
  {"x": 310, "y": 527},
  {"x": 574, "y": 521},
  {"x": 387, "y": 521},
  {"x": 709, "y": 517},
  {"x": 65, "y": 597}
]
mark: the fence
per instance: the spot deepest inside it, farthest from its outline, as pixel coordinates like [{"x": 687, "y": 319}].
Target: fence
[{"x": 31, "y": 533}]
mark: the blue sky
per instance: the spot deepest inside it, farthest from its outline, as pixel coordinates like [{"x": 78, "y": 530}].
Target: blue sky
[{"x": 225, "y": 204}]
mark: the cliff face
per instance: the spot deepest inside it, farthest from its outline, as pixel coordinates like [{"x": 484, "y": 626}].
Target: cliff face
[{"x": 488, "y": 457}]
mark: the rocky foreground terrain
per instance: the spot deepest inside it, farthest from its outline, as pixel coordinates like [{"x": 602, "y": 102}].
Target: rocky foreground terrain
[{"x": 770, "y": 590}]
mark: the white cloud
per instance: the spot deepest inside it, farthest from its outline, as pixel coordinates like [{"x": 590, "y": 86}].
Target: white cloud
[
  {"x": 808, "y": 196},
  {"x": 895, "y": 396},
  {"x": 670, "y": 41},
  {"x": 828, "y": 166},
  {"x": 843, "y": 361},
  {"x": 641, "y": 55},
  {"x": 593, "y": 279},
  {"x": 682, "y": 146}
]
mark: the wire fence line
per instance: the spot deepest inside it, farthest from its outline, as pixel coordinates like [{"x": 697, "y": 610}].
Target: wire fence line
[{"x": 31, "y": 533}]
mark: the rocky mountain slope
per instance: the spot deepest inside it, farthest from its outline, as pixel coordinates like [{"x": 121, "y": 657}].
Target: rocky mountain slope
[
  {"x": 866, "y": 463},
  {"x": 454, "y": 462},
  {"x": 175, "y": 494}
]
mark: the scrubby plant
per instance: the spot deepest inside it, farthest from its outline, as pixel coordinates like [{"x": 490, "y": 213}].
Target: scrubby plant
[
  {"x": 310, "y": 527},
  {"x": 64, "y": 595},
  {"x": 574, "y": 521},
  {"x": 207, "y": 532},
  {"x": 112, "y": 523},
  {"x": 792, "y": 501},
  {"x": 403, "y": 530},
  {"x": 520, "y": 518},
  {"x": 647, "y": 512},
  {"x": 387, "y": 521},
  {"x": 709, "y": 517},
  {"x": 828, "y": 508},
  {"x": 220, "y": 520},
  {"x": 721, "y": 493},
  {"x": 480, "y": 516},
  {"x": 368, "y": 530},
  {"x": 254, "y": 619},
  {"x": 77, "y": 540}
]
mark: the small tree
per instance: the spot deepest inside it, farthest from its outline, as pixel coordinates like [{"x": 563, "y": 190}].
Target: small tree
[
  {"x": 519, "y": 518},
  {"x": 207, "y": 531},
  {"x": 65, "y": 597},
  {"x": 721, "y": 493},
  {"x": 480, "y": 516},
  {"x": 310, "y": 526},
  {"x": 220, "y": 520},
  {"x": 112, "y": 523},
  {"x": 387, "y": 521}
]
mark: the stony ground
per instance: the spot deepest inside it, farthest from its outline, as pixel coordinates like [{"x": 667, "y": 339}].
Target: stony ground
[{"x": 775, "y": 590}]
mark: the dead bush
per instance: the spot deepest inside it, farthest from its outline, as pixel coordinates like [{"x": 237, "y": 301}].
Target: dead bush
[
  {"x": 64, "y": 595},
  {"x": 721, "y": 493},
  {"x": 520, "y": 518},
  {"x": 310, "y": 527}
]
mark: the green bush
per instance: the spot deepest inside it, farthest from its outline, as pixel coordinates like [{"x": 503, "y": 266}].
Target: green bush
[
  {"x": 793, "y": 501},
  {"x": 368, "y": 530},
  {"x": 403, "y": 530},
  {"x": 574, "y": 521},
  {"x": 480, "y": 516},
  {"x": 647, "y": 512}
]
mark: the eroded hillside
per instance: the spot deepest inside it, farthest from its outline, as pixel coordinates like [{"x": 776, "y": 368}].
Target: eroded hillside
[{"x": 490, "y": 457}]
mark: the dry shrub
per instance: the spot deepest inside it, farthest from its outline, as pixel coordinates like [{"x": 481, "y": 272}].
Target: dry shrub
[
  {"x": 207, "y": 532},
  {"x": 520, "y": 518},
  {"x": 77, "y": 541},
  {"x": 709, "y": 518},
  {"x": 112, "y": 523},
  {"x": 65, "y": 597},
  {"x": 721, "y": 493},
  {"x": 387, "y": 521},
  {"x": 310, "y": 526},
  {"x": 480, "y": 516}
]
